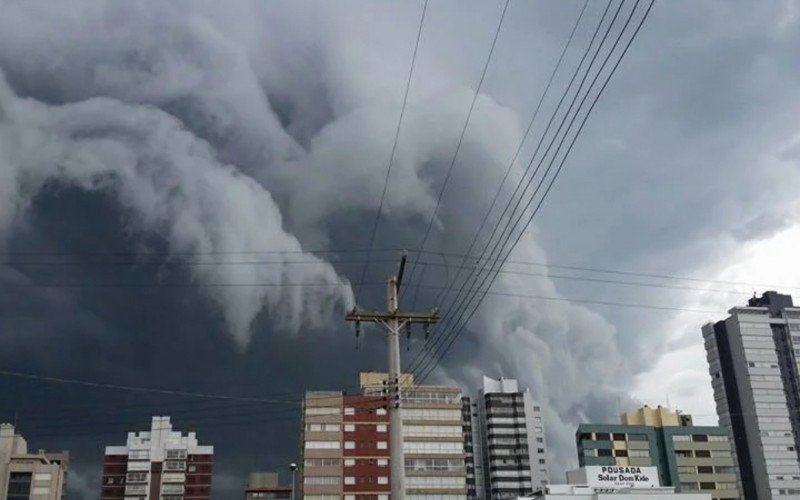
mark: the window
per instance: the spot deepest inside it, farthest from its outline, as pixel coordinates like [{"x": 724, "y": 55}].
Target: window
[
  {"x": 699, "y": 438},
  {"x": 686, "y": 469},
  {"x": 681, "y": 438},
  {"x": 380, "y": 411},
  {"x": 321, "y": 480},
  {"x": 139, "y": 454},
  {"x": 349, "y": 462},
  {"x": 540, "y": 440},
  {"x": 383, "y": 480},
  {"x": 349, "y": 428},
  {"x": 541, "y": 460},
  {"x": 430, "y": 414},
  {"x": 602, "y": 436},
  {"x": 604, "y": 453},
  {"x": 383, "y": 445},
  {"x": 684, "y": 453},
  {"x": 708, "y": 486},
  {"x": 349, "y": 411},
  {"x": 619, "y": 436},
  {"x": 433, "y": 447},
  {"x": 174, "y": 465},
  {"x": 177, "y": 454},
  {"x": 620, "y": 453},
  {"x": 435, "y": 482},
  {"x": 349, "y": 480},
  {"x": 382, "y": 462},
  {"x": 322, "y": 445},
  {"x": 349, "y": 445},
  {"x": 381, "y": 428},
  {"x": 321, "y": 462},
  {"x": 432, "y": 431},
  {"x": 19, "y": 485},
  {"x": 192, "y": 468},
  {"x": 434, "y": 465},
  {"x": 705, "y": 469},
  {"x": 688, "y": 487},
  {"x": 42, "y": 476},
  {"x": 323, "y": 410},
  {"x": 137, "y": 477},
  {"x": 702, "y": 454}
]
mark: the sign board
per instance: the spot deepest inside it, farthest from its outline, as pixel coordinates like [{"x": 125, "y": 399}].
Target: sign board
[{"x": 615, "y": 476}]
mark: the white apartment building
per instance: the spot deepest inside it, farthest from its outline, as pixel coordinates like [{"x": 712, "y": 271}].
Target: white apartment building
[
  {"x": 513, "y": 447},
  {"x": 159, "y": 463},
  {"x": 752, "y": 357}
]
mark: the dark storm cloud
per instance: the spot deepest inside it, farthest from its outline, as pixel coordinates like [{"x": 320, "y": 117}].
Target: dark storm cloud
[{"x": 146, "y": 127}]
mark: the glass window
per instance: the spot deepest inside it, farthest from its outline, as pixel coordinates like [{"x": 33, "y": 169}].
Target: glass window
[
  {"x": 702, "y": 454},
  {"x": 699, "y": 438},
  {"x": 705, "y": 469},
  {"x": 602, "y": 436},
  {"x": 618, "y": 436},
  {"x": 604, "y": 453}
]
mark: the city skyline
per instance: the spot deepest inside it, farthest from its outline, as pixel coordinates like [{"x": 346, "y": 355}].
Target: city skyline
[{"x": 193, "y": 195}]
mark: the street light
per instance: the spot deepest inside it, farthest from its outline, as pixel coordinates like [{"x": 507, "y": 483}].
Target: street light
[{"x": 293, "y": 468}]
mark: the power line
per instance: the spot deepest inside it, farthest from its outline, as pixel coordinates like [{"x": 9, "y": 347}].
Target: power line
[
  {"x": 457, "y": 302},
  {"x": 569, "y": 149},
  {"x": 462, "y": 134},
  {"x": 394, "y": 146},
  {"x": 492, "y": 275},
  {"x": 520, "y": 146}
]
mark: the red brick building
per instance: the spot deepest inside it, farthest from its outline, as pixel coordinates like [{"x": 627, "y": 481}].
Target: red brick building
[{"x": 159, "y": 464}]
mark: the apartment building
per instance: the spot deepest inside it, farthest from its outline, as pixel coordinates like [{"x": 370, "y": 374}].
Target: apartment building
[
  {"x": 344, "y": 447},
  {"x": 345, "y": 442},
  {"x": 689, "y": 458},
  {"x": 511, "y": 432},
  {"x": 24, "y": 475},
  {"x": 473, "y": 448},
  {"x": 158, "y": 464},
  {"x": 753, "y": 362}
]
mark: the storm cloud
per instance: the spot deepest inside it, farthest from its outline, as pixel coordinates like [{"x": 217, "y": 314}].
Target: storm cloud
[{"x": 211, "y": 144}]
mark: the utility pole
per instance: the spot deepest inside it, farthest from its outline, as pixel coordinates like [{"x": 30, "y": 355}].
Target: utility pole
[{"x": 393, "y": 320}]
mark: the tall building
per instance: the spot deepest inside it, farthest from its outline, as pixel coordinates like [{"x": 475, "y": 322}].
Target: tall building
[
  {"x": 345, "y": 442},
  {"x": 473, "y": 451},
  {"x": 23, "y": 475},
  {"x": 344, "y": 447},
  {"x": 687, "y": 457},
  {"x": 266, "y": 485},
  {"x": 752, "y": 358},
  {"x": 159, "y": 464},
  {"x": 513, "y": 448}
]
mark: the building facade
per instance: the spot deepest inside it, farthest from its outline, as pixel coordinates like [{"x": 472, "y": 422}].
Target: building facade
[
  {"x": 473, "y": 448},
  {"x": 689, "y": 458},
  {"x": 23, "y": 475},
  {"x": 345, "y": 443},
  {"x": 753, "y": 363},
  {"x": 511, "y": 433},
  {"x": 159, "y": 464},
  {"x": 266, "y": 486}
]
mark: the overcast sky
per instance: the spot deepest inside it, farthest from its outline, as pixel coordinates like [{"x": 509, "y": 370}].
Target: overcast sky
[{"x": 145, "y": 143}]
